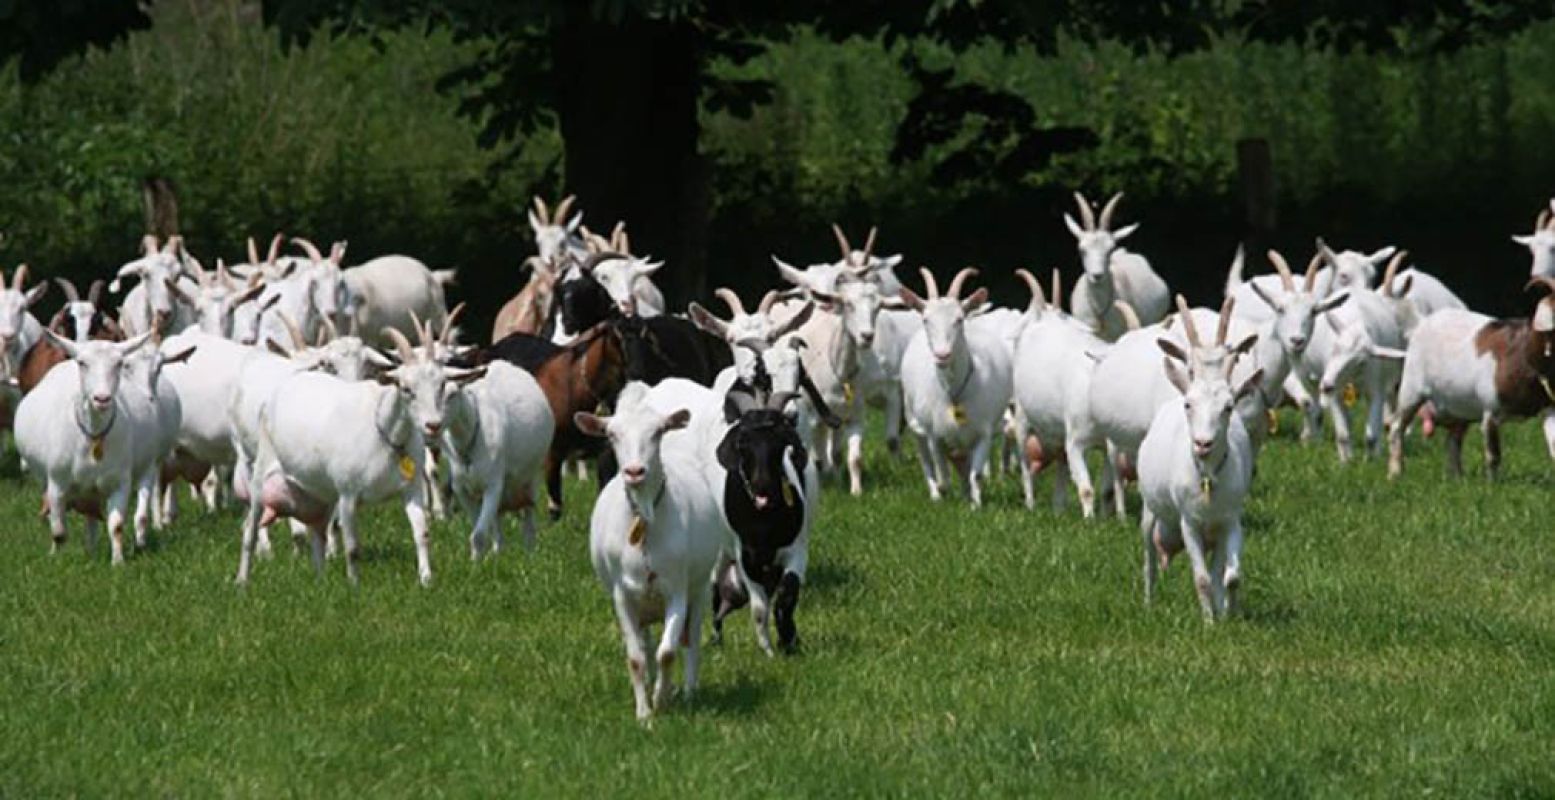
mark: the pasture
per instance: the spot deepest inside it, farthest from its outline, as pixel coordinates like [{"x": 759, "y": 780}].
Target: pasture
[{"x": 1398, "y": 640}]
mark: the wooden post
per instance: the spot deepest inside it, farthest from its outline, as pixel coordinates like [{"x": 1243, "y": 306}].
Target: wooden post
[
  {"x": 1255, "y": 167},
  {"x": 161, "y": 204}
]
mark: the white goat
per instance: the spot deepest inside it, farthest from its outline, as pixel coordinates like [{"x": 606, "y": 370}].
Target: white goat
[
  {"x": 1112, "y": 273},
  {"x": 19, "y": 331},
  {"x": 955, "y": 385},
  {"x": 160, "y": 301},
  {"x": 76, "y": 432},
  {"x": 555, "y": 235},
  {"x": 1195, "y": 467},
  {"x": 654, "y": 538},
  {"x": 1541, "y": 243}
]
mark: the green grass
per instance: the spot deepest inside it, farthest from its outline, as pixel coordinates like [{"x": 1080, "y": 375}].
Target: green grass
[{"x": 1398, "y": 640}]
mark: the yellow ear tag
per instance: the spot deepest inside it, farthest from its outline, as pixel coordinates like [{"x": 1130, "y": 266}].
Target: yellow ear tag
[
  {"x": 958, "y": 414},
  {"x": 97, "y": 449},
  {"x": 847, "y": 394},
  {"x": 1349, "y": 395},
  {"x": 407, "y": 468},
  {"x": 1274, "y": 421},
  {"x": 788, "y": 494},
  {"x": 638, "y": 530}
]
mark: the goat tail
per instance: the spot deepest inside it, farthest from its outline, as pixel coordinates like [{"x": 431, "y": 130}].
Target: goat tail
[{"x": 445, "y": 277}]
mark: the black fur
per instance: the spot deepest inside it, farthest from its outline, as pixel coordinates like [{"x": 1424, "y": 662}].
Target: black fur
[{"x": 670, "y": 347}]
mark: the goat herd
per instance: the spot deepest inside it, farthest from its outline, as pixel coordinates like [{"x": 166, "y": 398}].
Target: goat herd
[{"x": 304, "y": 389}]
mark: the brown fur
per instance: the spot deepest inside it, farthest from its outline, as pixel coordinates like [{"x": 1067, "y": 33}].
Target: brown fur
[
  {"x": 583, "y": 375},
  {"x": 1522, "y": 358},
  {"x": 527, "y": 311}
]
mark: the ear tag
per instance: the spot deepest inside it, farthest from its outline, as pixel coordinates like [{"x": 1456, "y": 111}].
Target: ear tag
[
  {"x": 639, "y": 529},
  {"x": 1274, "y": 421},
  {"x": 97, "y": 448},
  {"x": 958, "y": 414},
  {"x": 788, "y": 494},
  {"x": 1349, "y": 395},
  {"x": 407, "y": 468},
  {"x": 847, "y": 394}
]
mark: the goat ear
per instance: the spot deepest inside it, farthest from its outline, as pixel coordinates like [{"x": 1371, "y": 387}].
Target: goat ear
[
  {"x": 1332, "y": 302},
  {"x": 462, "y": 377},
  {"x": 269, "y": 304},
  {"x": 1124, "y": 232},
  {"x": 577, "y": 219},
  {"x": 61, "y": 342},
  {"x": 1525, "y": 241},
  {"x": 181, "y": 356},
  {"x": 791, "y": 273},
  {"x": 976, "y": 299},
  {"x": 1264, "y": 296},
  {"x": 1382, "y": 255},
  {"x": 826, "y": 301},
  {"x": 647, "y": 268},
  {"x": 1246, "y": 344},
  {"x": 704, "y": 319},
  {"x": 1175, "y": 374},
  {"x": 727, "y": 456},
  {"x": 1251, "y": 384},
  {"x": 1402, "y": 285},
  {"x": 911, "y": 299},
  {"x": 275, "y": 347},
  {"x": 888, "y": 263},
  {"x": 1171, "y": 349},
  {"x": 36, "y": 293},
  {"x": 1388, "y": 353},
  {"x": 793, "y": 323},
  {"x": 378, "y": 359},
  {"x": 589, "y": 424},
  {"x": 1074, "y": 227},
  {"x": 676, "y": 421}
]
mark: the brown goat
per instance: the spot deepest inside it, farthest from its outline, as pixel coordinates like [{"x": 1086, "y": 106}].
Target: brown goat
[{"x": 527, "y": 311}]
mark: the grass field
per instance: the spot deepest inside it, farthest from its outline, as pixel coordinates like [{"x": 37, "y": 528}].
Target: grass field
[{"x": 1398, "y": 640}]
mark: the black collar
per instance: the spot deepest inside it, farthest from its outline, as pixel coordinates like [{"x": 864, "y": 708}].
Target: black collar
[{"x": 97, "y": 436}]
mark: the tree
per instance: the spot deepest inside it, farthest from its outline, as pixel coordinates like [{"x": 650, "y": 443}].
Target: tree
[{"x": 42, "y": 33}]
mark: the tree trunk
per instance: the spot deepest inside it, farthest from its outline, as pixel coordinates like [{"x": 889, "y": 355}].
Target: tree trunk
[
  {"x": 1255, "y": 166},
  {"x": 161, "y": 205},
  {"x": 627, "y": 99}
]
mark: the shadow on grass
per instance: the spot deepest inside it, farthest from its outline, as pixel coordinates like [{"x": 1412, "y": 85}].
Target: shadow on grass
[
  {"x": 739, "y": 699},
  {"x": 830, "y": 575}
]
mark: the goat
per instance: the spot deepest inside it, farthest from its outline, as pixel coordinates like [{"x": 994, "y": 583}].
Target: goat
[
  {"x": 76, "y": 432},
  {"x": 218, "y": 296},
  {"x": 1541, "y": 243},
  {"x": 555, "y": 235},
  {"x": 388, "y": 292},
  {"x": 20, "y": 332},
  {"x": 955, "y": 384},
  {"x": 159, "y": 302},
  {"x": 85, "y": 318},
  {"x": 629, "y": 279},
  {"x": 1195, "y": 466},
  {"x": 527, "y": 311},
  {"x": 1472, "y": 367},
  {"x": 1112, "y": 273},
  {"x": 654, "y": 537}
]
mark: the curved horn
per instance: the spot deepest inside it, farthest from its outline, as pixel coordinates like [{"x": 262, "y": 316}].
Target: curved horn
[
  {"x": 596, "y": 259},
  {"x": 401, "y": 345},
  {"x": 69, "y": 289},
  {"x": 1187, "y": 322},
  {"x": 95, "y": 292},
  {"x": 275, "y": 248},
  {"x": 1392, "y": 271},
  {"x": 1087, "y": 215},
  {"x": 954, "y": 292},
  {"x": 308, "y": 247},
  {"x": 1058, "y": 290},
  {"x": 562, "y": 208},
  {"x": 545, "y": 210},
  {"x": 19, "y": 278},
  {"x": 929, "y": 284},
  {"x": 292, "y": 331},
  {"x": 869, "y": 243},
  {"x": 448, "y": 324},
  {"x": 1312, "y": 266},
  {"x": 1105, "y": 223},
  {"x": 423, "y": 331},
  {"x": 1287, "y": 280},
  {"x": 1225, "y": 320},
  {"x": 842, "y": 241},
  {"x": 731, "y": 300},
  {"x": 148, "y": 245},
  {"x": 253, "y": 252},
  {"x": 768, "y": 300},
  {"x": 1038, "y": 300},
  {"x": 1130, "y": 318},
  {"x": 1543, "y": 220}
]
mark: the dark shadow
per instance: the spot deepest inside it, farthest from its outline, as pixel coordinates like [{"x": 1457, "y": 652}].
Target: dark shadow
[
  {"x": 829, "y": 575},
  {"x": 742, "y": 698}
]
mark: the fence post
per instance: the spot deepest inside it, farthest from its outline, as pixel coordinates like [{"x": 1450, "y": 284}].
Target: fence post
[
  {"x": 1255, "y": 167},
  {"x": 161, "y": 204}
]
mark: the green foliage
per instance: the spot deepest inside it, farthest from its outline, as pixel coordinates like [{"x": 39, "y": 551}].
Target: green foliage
[{"x": 1397, "y": 641}]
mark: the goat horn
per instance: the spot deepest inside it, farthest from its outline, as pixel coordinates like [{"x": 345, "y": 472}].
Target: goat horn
[
  {"x": 148, "y": 245},
  {"x": 545, "y": 210},
  {"x": 95, "y": 291},
  {"x": 1543, "y": 220},
  {"x": 1087, "y": 215},
  {"x": 1312, "y": 266},
  {"x": 69, "y": 289},
  {"x": 275, "y": 248},
  {"x": 768, "y": 300},
  {"x": 423, "y": 332},
  {"x": 1392, "y": 271},
  {"x": 448, "y": 324},
  {"x": 869, "y": 243},
  {"x": 253, "y": 252},
  {"x": 1105, "y": 223},
  {"x": 596, "y": 259},
  {"x": 730, "y": 299},
  {"x": 1038, "y": 300},
  {"x": 401, "y": 344},
  {"x": 1287, "y": 280},
  {"x": 929, "y": 284},
  {"x": 1187, "y": 321},
  {"x": 292, "y": 331},
  {"x": 562, "y": 208},
  {"x": 1058, "y": 289},
  {"x": 19, "y": 278},
  {"x": 954, "y": 292},
  {"x": 308, "y": 247},
  {"x": 1126, "y": 311},
  {"x": 842, "y": 241},
  {"x": 1225, "y": 320}
]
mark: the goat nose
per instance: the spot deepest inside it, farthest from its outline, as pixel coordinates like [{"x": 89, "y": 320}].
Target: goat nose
[
  {"x": 1298, "y": 342},
  {"x": 635, "y": 473},
  {"x": 434, "y": 428},
  {"x": 102, "y": 399},
  {"x": 866, "y": 339}
]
